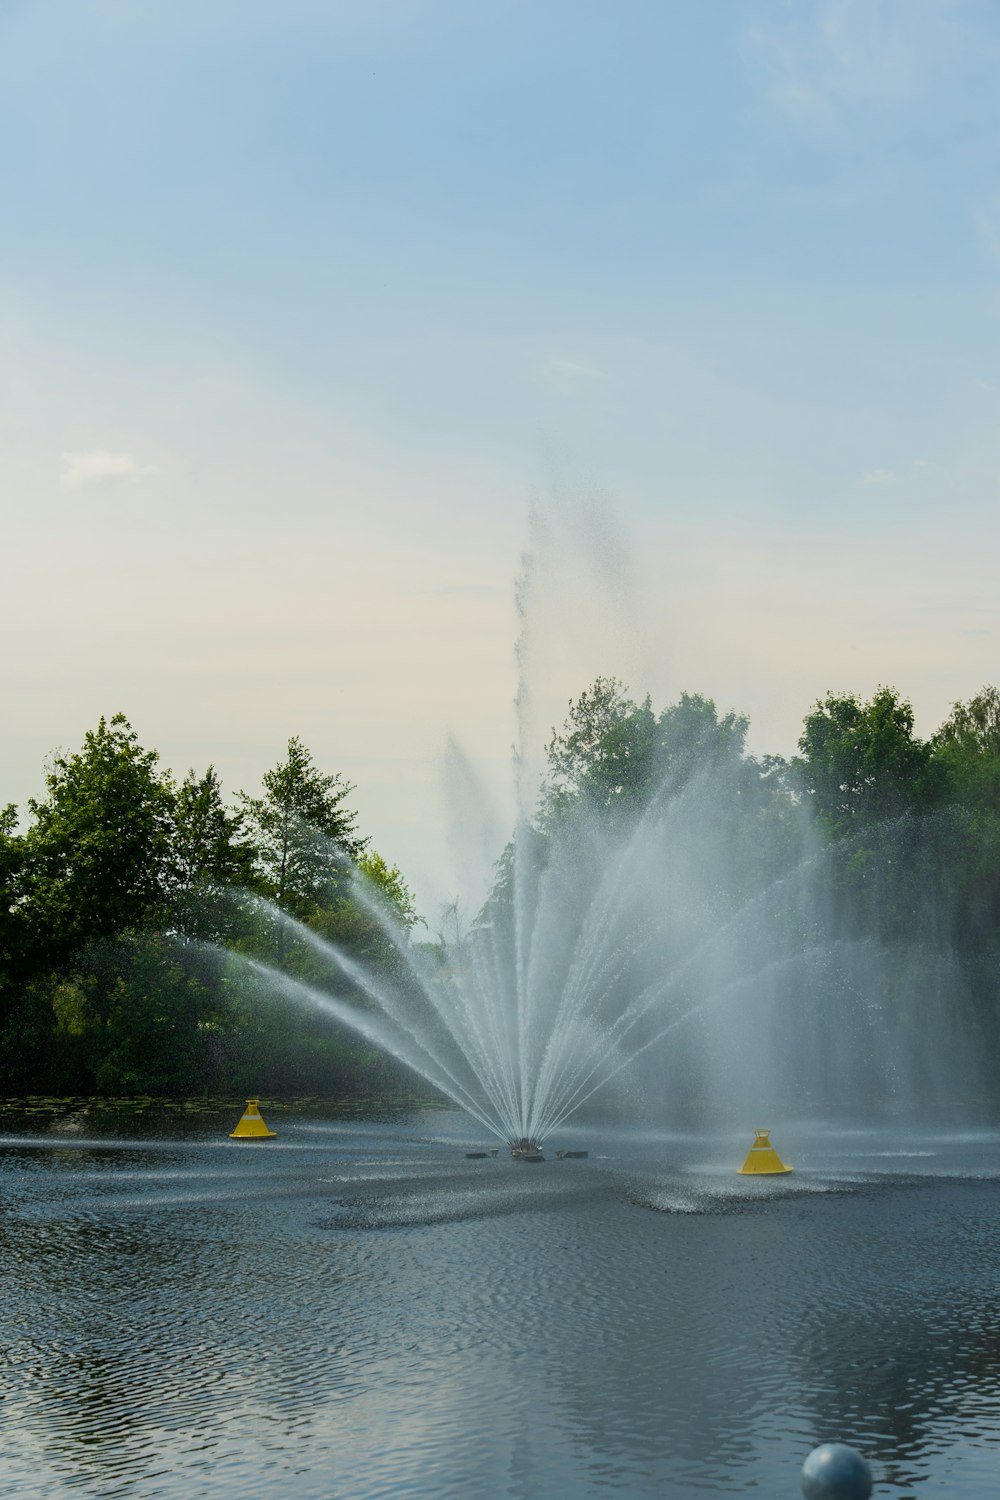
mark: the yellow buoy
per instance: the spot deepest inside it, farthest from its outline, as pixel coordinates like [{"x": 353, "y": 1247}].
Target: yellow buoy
[
  {"x": 762, "y": 1157},
  {"x": 251, "y": 1126}
]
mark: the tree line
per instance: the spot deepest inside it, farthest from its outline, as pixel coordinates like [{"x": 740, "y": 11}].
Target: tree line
[
  {"x": 126, "y": 898},
  {"x": 848, "y": 896},
  {"x": 135, "y": 908},
  {"x": 893, "y": 812}
]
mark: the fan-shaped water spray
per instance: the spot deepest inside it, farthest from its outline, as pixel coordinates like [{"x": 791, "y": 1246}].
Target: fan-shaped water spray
[{"x": 675, "y": 952}]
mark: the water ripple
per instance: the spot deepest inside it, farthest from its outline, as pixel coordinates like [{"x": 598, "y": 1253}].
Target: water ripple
[{"x": 374, "y": 1315}]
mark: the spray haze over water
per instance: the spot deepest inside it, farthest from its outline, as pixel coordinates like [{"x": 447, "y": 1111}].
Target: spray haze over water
[{"x": 687, "y": 952}]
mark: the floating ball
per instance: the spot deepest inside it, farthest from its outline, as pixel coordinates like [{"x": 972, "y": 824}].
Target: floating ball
[{"x": 835, "y": 1472}]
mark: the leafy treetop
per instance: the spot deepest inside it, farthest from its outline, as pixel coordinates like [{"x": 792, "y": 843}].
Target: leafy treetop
[
  {"x": 862, "y": 762},
  {"x": 302, "y": 831},
  {"x": 616, "y": 753},
  {"x": 97, "y": 856}
]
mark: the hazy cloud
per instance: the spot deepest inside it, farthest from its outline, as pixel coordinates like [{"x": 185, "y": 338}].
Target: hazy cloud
[
  {"x": 570, "y": 367},
  {"x": 880, "y": 476},
  {"x": 97, "y": 468},
  {"x": 821, "y": 63}
]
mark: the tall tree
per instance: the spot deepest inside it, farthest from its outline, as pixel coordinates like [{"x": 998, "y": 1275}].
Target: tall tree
[
  {"x": 302, "y": 832},
  {"x": 97, "y": 856},
  {"x": 967, "y": 746},
  {"x": 861, "y": 762},
  {"x": 606, "y": 752},
  {"x": 974, "y": 725},
  {"x": 693, "y": 737},
  {"x": 211, "y": 852},
  {"x": 616, "y": 753}
]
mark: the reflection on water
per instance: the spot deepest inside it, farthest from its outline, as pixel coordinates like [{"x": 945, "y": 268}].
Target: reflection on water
[{"x": 356, "y": 1309}]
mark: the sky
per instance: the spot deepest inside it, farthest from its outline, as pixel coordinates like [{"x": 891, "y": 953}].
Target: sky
[{"x": 353, "y": 355}]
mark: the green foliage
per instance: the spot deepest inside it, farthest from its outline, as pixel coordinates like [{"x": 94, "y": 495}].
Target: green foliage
[
  {"x": 522, "y": 863},
  {"x": 112, "y": 897},
  {"x": 606, "y": 751},
  {"x": 97, "y": 858},
  {"x": 101, "y": 986},
  {"x": 354, "y": 924},
  {"x": 974, "y": 726},
  {"x": 31, "y": 1058},
  {"x": 211, "y": 855},
  {"x": 136, "y": 1012},
  {"x": 861, "y": 762},
  {"x": 388, "y": 887},
  {"x": 614, "y": 762},
  {"x": 967, "y": 749},
  {"x": 12, "y": 928},
  {"x": 302, "y": 833},
  {"x": 616, "y": 754},
  {"x": 265, "y": 1045},
  {"x": 694, "y": 739}
]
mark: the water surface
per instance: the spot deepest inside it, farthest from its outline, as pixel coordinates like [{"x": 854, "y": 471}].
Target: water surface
[{"x": 356, "y": 1309}]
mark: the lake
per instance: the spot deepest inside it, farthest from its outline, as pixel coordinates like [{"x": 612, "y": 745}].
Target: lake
[{"x": 355, "y": 1309}]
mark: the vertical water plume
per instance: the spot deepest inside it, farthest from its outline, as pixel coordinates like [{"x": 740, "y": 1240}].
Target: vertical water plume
[
  {"x": 599, "y": 950},
  {"x": 681, "y": 940}
]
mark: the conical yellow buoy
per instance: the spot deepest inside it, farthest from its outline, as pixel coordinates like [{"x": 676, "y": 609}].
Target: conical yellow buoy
[
  {"x": 251, "y": 1126},
  {"x": 762, "y": 1157}
]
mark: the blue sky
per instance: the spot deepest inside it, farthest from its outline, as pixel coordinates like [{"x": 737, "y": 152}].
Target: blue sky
[{"x": 303, "y": 306}]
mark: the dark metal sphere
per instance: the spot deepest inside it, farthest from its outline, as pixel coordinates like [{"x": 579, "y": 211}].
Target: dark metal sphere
[{"x": 835, "y": 1472}]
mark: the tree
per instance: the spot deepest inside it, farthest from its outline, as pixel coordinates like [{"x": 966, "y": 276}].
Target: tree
[
  {"x": 967, "y": 747},
  {"x": 693, "y": 737},
  {"x": 616, "y": 753},
  {"x": 606, "y": 751},
  {"x": 135, "y": 1018},
  {"x": 389, "y": 888},
  {"x": 97, "y": 856},
  {"x": 210, "y": 853},
  {"x": 302, "y": 833},
  {"x": 975, "y": 726},
  {"x": 352, "y": 924},
  {"x": 861, "y": 762},
  {"x": 966, "y": 750}
]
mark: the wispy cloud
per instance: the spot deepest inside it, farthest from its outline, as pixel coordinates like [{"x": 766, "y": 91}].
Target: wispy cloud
[
  {"x": 880, "y": 476},
  {"x": 570, "y": 366},
  {"x": 821, "y": 63},
  {"x": 97, "y": 468}
]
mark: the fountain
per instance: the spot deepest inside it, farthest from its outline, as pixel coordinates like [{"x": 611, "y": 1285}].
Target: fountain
[
  {"x": 686, "y": 949},
  {"x": 676, "y": 958}
]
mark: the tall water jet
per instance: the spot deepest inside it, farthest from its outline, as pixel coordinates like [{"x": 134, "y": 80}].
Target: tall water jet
[
  {"x": 669, "y": 916},
  {"x": 668, "y": 948}
]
